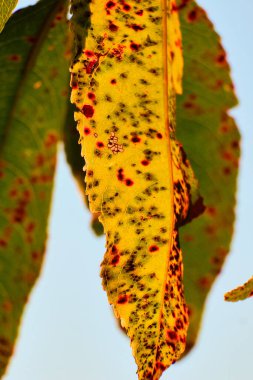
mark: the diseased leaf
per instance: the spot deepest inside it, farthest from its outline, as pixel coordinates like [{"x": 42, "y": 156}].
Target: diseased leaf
[
  {"x": 137, "y": 175},
  {"x": 211, "y": 141},
  {"x": 76, "y": 163},
  {"x": 6, "y": 8},
  {"x": 241, "y": 293},
  {"x": 34, "y": 87}
]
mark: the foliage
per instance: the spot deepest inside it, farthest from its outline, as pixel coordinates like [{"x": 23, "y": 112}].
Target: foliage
[
  {"x": 240, "y": 293},
  {"x": 6, "y": 7},
  {"x": 134, "y": 112},
  {"x": 33, "y": 107}
]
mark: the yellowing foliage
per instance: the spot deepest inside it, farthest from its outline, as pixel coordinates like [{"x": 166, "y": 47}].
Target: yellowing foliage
[
  {"x": 241, "y": 293},
  {"x": 137, "y": 176}
]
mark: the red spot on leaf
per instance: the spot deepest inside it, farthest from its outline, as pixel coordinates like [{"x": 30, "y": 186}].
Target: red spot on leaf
[
  {"x": 31, "y": 39},
  {"x": 74, "y": 85},
  {"x": 35, "y": 255},
  {"x": 211, "y": 211},
  {"x": 134, "y": 46},
  {"x": 40, "y": 159},
  {"x": 204, "y": 282},
  {"x": 88, "y": 110},
  {"x": 30, "y": 227},
  {"x": 235, "y": 144},
  {"x": 89, "y": 53},
  {"x": 160, "y": 366},
  {"x": 3, "y": 243},
  {"x": 136, "y": 139},
  {"x": 159, "y": 135},
  {"x": 114, "y": 249},
  {"x": 221, "y": 59},
  {"x": 51, "y": 139},
  {"x": 179, "y": 324},
  {"x": 140, "y": 12},
  {"x": 113, "y": 27},
  {"x": 153, "y": 248},
  {"x": 210, "y": 230},
  {"x": 192, "y": 15},
  {"x": 123, "y": 299},
  {"x": 136, "y": 27},
  {"x": 14, "y": 58},
  {"x": 172, "y": 335},
  {"x": 120, "y": 175},
  {"x": 188, "y": 105},
  {"x": 91, "y": 66},
  {"x": 227, "y": 170},
  {"x": 91, "y": 96},
  {"x": 129, "y": 182},
  {"x": 100, "y": 144},
  {"x": 113, "y": 81},
  {"x": 86, "y": 131},
  {"x": 126, "y": 7},
  {"x": 110, "y": 4},
  {"x": 178, "y": 43},
  {"x": 145, "y": 162},
  {"x": 13, "y": 193},
  {"x": 115, "y": 260}
]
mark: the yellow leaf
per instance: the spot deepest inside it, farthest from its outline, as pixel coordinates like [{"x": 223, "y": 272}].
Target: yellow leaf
[
  {"x": 124, "y": 84},
  {"x": 241, "y": 293}
]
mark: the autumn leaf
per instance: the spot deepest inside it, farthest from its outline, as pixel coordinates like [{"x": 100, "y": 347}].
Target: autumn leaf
[
  {"x": 34, "y": 88},
  {"x": 6, "y": 8},
  {"x": 203, "y": 124},
  {"x": 212, "y": 143},
  {"x": 137, "y": 175},
  {"x": 241, "y": 293}
]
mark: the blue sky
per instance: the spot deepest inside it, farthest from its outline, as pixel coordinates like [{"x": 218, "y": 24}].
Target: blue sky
[{"x": 68, "y": 330}]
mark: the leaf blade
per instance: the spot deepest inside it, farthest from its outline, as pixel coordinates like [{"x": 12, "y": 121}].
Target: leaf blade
[
  {"x": 122, "y": 162},
  {"x": 202, "y": 113},
  {"x": 6, "y": 8},
  {"x": 241, "y": 293},
  {"x": 29, "y": 131}
]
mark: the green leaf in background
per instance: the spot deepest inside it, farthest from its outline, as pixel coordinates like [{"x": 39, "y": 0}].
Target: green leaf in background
[
  {"x": 6, "y": 8},
  {"x": 33, "y": 103},
  {"x": 241, "y": 293},
  {"x": 211, "y": 141}
]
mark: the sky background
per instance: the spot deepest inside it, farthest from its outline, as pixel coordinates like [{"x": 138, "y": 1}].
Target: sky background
[{"x": 68, "y": 330}]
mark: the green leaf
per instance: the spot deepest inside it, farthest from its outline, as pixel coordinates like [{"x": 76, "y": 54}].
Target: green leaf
[
  {"x": 241, "y": 293},
  {"x": 211, "y": 141},
  {"x": 33, "y": 103},
  {"x": 6, "y": 8}
]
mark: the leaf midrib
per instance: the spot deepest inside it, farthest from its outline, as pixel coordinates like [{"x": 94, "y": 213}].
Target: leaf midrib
[{"x": 165, "y": 4}]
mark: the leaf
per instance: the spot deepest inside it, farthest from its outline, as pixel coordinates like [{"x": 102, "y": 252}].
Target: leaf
[
  {"x": 137, "y": 175},
  {"x": 211, "y": 141},
  {"x": 241, "y": 293},
  {"x": 75, "y": 161},
  {"x": 6, "y": 8},
  {"x": 34, "y": 79}
]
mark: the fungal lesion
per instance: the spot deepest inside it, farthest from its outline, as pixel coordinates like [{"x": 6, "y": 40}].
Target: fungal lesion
[{"x": 113, "y": 144}]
